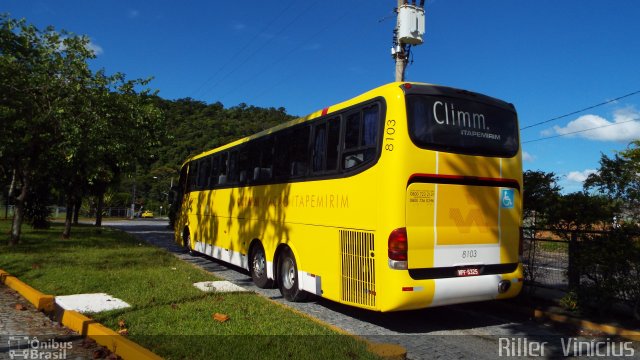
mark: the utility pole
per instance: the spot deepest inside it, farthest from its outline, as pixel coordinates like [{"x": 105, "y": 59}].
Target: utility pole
[
  {"x": 409, "y": 31},
  {"x": 400, "y": 56}
]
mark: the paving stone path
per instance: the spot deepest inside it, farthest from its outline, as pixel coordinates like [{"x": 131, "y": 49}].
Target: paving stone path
[{"x": 29, "y": 330}]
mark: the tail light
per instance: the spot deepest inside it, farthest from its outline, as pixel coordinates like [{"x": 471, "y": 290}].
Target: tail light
[{"x": 398, "y": 249}]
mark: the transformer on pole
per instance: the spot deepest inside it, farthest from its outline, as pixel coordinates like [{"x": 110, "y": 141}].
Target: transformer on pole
[{"x": 409, "y": 31}]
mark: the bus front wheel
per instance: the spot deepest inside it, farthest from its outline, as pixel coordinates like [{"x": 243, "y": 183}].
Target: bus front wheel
[
  {"x": 288, "y": 277},
  {"x": 258, "y": 267}
]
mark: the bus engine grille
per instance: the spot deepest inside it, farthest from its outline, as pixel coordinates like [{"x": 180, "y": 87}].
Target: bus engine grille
[{"x": 358, "y": 268}]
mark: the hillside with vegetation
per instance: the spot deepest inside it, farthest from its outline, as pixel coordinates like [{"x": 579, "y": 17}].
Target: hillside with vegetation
[{"x": 192, "y": 127}]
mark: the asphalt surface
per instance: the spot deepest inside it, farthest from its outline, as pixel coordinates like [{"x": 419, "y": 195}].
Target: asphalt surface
[{"x": 470, "y": 331}]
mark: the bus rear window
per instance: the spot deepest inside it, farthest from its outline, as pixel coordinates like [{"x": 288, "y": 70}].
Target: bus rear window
[{"x": 462, "y": 126}]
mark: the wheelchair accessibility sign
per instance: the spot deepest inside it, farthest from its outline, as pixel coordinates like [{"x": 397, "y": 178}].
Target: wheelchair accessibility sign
[{"x": 507, "y": 198}]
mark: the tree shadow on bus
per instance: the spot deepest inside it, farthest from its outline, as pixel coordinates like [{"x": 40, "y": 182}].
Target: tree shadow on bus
[
  {"x": 487, "y": 186},
  {"x": 231, "y": 221}
]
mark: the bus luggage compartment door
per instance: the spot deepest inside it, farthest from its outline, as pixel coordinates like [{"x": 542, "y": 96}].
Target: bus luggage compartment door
[{"x": 452, "y": 225}]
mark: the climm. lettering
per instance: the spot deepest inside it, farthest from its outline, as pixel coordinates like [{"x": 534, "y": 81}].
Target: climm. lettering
[
  {"x": 330, "y": 201},
  {"x": 446, "y": 114}
]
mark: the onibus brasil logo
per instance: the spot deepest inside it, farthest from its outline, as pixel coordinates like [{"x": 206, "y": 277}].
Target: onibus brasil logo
[{"x": 25, "y": 347}]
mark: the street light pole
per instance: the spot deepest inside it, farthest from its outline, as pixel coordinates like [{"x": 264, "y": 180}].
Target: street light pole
[{"x": 133, "y": 199}]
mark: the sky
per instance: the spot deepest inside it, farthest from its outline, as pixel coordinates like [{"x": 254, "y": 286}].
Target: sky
[{"x": 547, "y": 57}]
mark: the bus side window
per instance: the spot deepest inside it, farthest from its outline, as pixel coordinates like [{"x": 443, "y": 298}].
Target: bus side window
[
  {"x": 263, "y": 162},
  {"x": 282, "y": 147},
  {"x": 244, "y": 163},
  {"x": 370, "y": 126},
  {"x": 299, "y": 152},
  {"x": 215, "y": 171},
  {"x": 352, "y": 136},
  {"x": 361, "y": 137},
  {"x": 193, "y": 176},
  {"x": 233, "y": 173},
  {"x": 179, "y": 190},
  {"x": 204, "y": 171},
  {"x": 224, "y": 164},
  {"x": 333, "y": 143},
  {"x": 319, "y": 147},
  {"x": 326, "y": 144}
]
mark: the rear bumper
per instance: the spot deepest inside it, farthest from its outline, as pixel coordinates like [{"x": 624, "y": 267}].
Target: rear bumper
[{"x": 417, "y": 294}]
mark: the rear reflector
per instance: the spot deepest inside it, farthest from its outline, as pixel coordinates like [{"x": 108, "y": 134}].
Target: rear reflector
[{"x": 412, "y": 288}]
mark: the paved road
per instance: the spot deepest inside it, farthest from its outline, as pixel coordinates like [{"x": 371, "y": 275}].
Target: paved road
[{"x": 469, "y": 331}]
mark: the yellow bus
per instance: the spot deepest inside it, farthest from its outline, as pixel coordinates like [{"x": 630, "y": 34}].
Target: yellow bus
[{"x": 407, "y": 196}]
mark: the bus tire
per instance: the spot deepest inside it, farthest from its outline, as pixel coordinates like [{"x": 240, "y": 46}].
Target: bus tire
[
  {"x": 186, "y": 240},
  {"x": 288, "y": 277},
  {"x": 258, "y": 267}
]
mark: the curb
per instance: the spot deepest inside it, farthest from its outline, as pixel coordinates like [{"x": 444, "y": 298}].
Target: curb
[
  {"x": 586, "y": 324},
  {"x": 572, "y": 321},
  {"x": 41, "y": 301},
  {"x": 79, "y": 323}
]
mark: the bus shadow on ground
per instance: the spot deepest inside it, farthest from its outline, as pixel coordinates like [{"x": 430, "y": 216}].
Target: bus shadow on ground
[{"x": 435, "y": 320}]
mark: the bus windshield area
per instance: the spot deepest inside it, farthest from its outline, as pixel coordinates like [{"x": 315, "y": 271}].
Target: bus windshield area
[{"x": 462, "y": 126}]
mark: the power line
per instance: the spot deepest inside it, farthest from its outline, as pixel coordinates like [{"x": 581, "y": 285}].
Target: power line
[
  {"x": 581, "y": 131},
  {"x": 247, "y": 44},
  {"x": 251, "y": 55},
  {"x": 581, "y": 110},
  {"x": 287, "y": 55}
]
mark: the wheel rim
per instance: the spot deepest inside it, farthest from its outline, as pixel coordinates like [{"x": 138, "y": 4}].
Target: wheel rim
[
  {"x": 259, "y": 264},
  {"x": 288, "y": 273}
]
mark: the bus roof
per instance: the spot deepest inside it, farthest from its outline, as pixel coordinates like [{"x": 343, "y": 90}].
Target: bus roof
[{"x": 383, "y": 90}]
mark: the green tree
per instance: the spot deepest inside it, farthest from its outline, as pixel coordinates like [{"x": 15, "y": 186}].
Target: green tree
[
  {"x": 580, "y": 211},
  {"x": 618, "y": 180},
  {"x": 541, "y": 193},
  {"x": 133, "y": 132},
  {"x": 38, "y": 77},
  {"x": 63, "y": 124}
]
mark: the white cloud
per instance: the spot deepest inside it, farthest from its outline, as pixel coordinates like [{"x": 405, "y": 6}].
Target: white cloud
[
  {"x": 97, "y": 49},
  {"x": 527, "y": 157},
  {"x": 133, "y": 13},
  {"x": 92, "y": 46},
  {"x": 624, "y": 127},
  {"x": 580, "y": 176}
]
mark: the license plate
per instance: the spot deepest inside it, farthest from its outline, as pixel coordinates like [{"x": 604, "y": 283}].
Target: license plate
[{"x": 474, "y": 271}]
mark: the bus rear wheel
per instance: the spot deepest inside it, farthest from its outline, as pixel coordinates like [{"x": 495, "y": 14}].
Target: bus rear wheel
[
  {"x": 288, "y": 278},
  {"x": 258, "y": 267}
]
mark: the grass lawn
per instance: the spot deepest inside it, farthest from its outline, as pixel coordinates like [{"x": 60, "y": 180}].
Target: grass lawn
[
  {"x": 168, "y": 315},
  {"x": 554, "y": 246}
]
